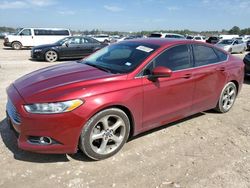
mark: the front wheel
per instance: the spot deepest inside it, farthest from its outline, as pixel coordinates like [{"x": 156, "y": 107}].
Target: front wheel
[
  {"x": 16, "y": 45},
  {"x": 105, "y": 134},
  {"x": 227, "y": 98},
  {"x": 51, "y": 56}
]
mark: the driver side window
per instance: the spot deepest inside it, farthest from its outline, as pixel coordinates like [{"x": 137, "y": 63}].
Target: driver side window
[
  {"x": 26, "y": 32},
  {"x": 175, "y": 58}
]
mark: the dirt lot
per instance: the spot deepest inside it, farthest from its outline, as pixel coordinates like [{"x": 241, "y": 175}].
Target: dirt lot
[{"x": 206, "y": 150}]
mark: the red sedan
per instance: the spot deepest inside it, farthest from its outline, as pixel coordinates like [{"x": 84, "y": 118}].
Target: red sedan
[{"x": 122, "y": 90}]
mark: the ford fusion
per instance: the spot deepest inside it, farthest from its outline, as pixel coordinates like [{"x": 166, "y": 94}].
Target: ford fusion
[{"x": 122, "y": 90}]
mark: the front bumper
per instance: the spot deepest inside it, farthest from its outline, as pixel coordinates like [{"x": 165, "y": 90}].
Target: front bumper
[
  {"x": 64, "y": 129},
  {"x": 37, "y": 55},
  {"x": 7, "y": 44}
]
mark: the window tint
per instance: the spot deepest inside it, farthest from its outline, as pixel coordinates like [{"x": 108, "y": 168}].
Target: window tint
[
  {"x": 90, "y": 40},
  {"x": 75, "y": 41},
  {"x": 176, "y": 58},
  {"x": 26, "y": 32},
  {"x": 222, "y": 56},
  {"x": 155, "y": 35},
  {"x": 50, "y": 32},
  {"x": 204, "y": 55}
]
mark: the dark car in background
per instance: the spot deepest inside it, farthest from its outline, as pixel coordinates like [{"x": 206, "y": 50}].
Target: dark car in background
[
  {"x": 67, "y": 48},
  {"x": 247, "y": 64},
  {"x": 248, "y": 45},
  {"x": 212, "y": 40}
]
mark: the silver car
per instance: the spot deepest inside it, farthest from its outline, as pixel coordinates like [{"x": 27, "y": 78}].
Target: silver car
[{"x": 232, "y": 45}]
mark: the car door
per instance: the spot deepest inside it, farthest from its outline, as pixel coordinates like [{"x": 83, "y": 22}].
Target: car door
[
  {"x": 89, "y": 46},
  {"x": 168, "y": 99},
  {"x": 71, "y": 48},
  {"x": 209, "y": 75},
  {"x": 26, "y": 37}
]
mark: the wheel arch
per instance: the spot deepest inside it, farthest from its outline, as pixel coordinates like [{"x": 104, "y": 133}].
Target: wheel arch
[
  {"x": 17, "y": 42},
  {"x": 236, "y": 84}
]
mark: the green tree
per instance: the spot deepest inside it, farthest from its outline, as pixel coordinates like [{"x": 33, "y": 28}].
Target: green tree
[{"x": 234, "y": 30}]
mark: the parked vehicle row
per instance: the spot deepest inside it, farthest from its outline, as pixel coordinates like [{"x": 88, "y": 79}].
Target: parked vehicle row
[{"x": 96, "y": 104}]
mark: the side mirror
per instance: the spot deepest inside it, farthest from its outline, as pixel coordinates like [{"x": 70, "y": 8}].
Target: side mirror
[{"x": 160, "y": 72}]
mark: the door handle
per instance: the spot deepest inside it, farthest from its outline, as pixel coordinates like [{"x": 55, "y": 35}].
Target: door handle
[
  {"x": 187, "y": 76},
  {"x": 220, "y": 69}
]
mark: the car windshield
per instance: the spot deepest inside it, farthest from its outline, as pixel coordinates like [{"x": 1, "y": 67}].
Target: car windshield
[
  {"x": 226, "y": 42},
  {"x": 62, "y": 41},
  {"x": 120, "y": 58}
]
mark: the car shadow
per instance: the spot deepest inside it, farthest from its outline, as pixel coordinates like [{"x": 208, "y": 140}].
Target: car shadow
[
  {"x": 10, "y": 141},
  {"x": 6, "y": 48}
]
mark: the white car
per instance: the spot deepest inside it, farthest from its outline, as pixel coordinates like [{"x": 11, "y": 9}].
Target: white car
[
  {"x": 232, "y": 45},
  {"x": 200, "y": 38},
  {"x": 167, "y": 35},
  {"x": 102, "y": 38}
]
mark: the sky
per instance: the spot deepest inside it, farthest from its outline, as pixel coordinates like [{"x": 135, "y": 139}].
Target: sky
[{"x": 126, "y": 15}]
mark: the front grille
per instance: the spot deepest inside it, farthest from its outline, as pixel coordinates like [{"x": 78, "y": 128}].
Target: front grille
[{"x": 12, "y": 112}]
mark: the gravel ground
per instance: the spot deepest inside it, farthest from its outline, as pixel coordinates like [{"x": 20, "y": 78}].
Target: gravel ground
[{"x": 206, "y": 150}]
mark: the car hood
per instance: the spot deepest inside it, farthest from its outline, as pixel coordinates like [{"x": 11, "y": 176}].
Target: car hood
[{"x": 59, "y": 80}]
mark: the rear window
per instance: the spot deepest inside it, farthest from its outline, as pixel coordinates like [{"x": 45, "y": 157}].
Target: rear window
[
  {"x": 204, "y": 55},
  {"x": 50, "y": 32},
  {"x": 155, "y": 35},
  {"x": 222, "y": 56}
]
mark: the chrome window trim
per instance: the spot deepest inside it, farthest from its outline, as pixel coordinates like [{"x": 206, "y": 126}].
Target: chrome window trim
[{"x": 136, "y": 77}]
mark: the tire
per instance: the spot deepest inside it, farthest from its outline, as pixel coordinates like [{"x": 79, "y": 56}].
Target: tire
[
  {"x": 16, "y": 45},
  {"x": 105, "y": 134},
  {"x": 227, "y": 98},
  {"x": 51, "y": 56}
]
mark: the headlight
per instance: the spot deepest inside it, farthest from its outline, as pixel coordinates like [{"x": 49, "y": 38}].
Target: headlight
[
  {"x": 53, "y": 108},
  {"x": 37, "y": 50}
]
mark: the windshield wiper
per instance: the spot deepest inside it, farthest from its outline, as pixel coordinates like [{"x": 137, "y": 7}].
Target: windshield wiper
[{"x": 99, "y": 67}]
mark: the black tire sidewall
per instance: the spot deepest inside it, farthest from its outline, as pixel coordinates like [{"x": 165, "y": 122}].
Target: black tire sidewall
[{"x": 85, "y": 134}]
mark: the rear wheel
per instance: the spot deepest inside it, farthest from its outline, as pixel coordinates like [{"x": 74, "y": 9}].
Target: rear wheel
[
  {"x": 16, "y": 45},
  {"x": 227, "y": 98},
  {"x": 51, "y": 56},
  {"x": 105, "y": 134}
]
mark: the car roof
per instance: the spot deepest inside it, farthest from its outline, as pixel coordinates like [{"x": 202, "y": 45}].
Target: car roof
[{"x": 164, "y": 41}]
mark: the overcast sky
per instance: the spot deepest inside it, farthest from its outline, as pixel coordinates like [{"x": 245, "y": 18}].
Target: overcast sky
[{"x": 126, "y": 15}]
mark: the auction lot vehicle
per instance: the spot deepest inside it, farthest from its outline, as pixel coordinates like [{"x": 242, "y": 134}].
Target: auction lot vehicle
[
  {"x": 228, "y": 36},
  {"x": 247, "y": 64},
  {"x": 167, "y": 35},
  {"x": 232, "y": 45},
  {"x": 200, "y": 38},
  {"x": 213, "y": 40},
  {"x": 102, "y": 38},
  {"x": 66, "y": 48},
  {"x": 28, "y": 37},
  {"x": 119, "y": 91},
  {"x": 248, "y": 44}
]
